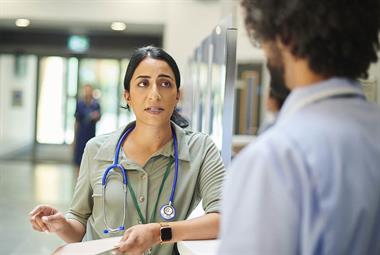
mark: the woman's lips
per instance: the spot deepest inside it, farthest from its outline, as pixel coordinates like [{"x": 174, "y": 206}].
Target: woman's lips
[{"x": 154, "y": 109}]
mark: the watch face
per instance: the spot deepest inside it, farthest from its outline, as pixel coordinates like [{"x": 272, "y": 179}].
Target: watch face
[{"x": 166, "y": 234}]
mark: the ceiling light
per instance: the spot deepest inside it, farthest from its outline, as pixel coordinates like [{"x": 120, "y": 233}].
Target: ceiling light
[
  {"x": 22, "y": 22},
  {"x": 118, "y": 26}
]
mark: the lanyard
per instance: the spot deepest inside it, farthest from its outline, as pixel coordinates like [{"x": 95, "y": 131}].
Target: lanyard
[{"x": 133, "y": 195}]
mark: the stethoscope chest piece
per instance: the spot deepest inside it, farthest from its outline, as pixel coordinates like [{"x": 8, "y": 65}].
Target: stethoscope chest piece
[{"x": 167, "y": 212}]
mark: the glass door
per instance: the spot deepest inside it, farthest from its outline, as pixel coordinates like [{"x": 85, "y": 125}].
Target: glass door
[
  {"x": 103, "y": 75},
  {"x": 57, "y": 89},
  {"x": 60, "y": 84}
]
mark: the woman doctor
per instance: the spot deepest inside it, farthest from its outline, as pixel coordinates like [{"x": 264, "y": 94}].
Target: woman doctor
[{"x": 168, "y": 170}]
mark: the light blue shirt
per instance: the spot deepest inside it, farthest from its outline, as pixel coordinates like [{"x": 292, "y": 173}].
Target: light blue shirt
[{"x": 310, "y": 184}]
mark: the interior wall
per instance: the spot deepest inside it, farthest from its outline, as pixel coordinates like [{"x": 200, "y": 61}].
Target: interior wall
[
  {"x": 186, "y": 22},
  {"x": 189, "y": 22},
  {"x": 17, "y": 101}
]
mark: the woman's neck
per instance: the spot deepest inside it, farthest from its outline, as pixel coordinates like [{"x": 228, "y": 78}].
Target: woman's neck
[
  {"x": 153, "y": 137},
  {"x": 145, "y": 140}
]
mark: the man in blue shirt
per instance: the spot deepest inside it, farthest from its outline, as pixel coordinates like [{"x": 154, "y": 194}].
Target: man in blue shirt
[{"x": 311, "y": 184}]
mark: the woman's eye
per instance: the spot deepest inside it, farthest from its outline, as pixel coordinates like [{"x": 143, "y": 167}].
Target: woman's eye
[
  {"x": 166, "y": 84},
  {"x": 143, "y": 83}
]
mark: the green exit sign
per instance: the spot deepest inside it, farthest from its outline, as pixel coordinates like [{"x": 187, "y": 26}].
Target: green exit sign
[{"x": 78, "y": 43}]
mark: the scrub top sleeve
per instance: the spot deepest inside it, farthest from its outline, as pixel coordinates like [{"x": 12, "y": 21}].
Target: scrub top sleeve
[
  {"x": 211, "y": 177},
  {"x": 81, "y": 204}
]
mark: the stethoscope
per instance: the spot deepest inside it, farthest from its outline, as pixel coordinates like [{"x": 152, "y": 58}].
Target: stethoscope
[{"x": 167, "y": 211}]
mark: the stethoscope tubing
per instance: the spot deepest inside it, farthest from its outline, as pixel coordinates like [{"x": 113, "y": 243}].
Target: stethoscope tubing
[
  {"x": 116, "y": 165},
  {"x": 174, "y": 186}
]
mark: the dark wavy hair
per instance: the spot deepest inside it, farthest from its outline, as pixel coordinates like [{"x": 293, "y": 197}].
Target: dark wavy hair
[
  {"x": 156, "y": 53},
  {"x": 337, "y": 37}
]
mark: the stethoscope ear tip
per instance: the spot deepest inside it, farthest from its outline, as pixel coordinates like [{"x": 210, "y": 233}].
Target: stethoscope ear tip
[{"x": 105, "y": 231}]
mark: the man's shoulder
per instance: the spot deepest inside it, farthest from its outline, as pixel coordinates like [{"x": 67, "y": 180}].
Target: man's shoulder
[{"x": 266, "y": 146}]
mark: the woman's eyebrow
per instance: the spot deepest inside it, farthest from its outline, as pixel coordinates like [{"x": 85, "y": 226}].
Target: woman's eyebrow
[
  {"x": 166, "y": 76},
  {"x": 142, "y": 76}
]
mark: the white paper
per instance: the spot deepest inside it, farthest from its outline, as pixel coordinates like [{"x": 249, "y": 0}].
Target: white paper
[{"x": 88, "y": 248}]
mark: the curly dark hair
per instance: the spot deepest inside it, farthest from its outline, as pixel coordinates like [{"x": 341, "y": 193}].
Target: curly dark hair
[{"x": 337, "y": 37}]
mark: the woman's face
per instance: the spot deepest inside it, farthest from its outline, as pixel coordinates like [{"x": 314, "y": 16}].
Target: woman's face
[{"x": 153, "y": 93}]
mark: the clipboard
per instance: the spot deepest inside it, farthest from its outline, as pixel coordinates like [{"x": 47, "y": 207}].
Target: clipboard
[{"x": 93, "y": 247}]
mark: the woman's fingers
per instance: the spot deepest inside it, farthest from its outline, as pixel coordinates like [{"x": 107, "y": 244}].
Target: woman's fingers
[
  {"x": 35, "y": 219},
  {"x": 54, "y": 222},
  {"x": 35, "y": 211},
  {"x": 138, "y": 239},
  {"x": 35, "y": 226},
  {"x": 126, "y": 235},
  {"x": 37, "y": 223},
  {"x": 44, "y": 210},
  {"x": 36, "y": 215},
  {"x": 127, "y": 245}
]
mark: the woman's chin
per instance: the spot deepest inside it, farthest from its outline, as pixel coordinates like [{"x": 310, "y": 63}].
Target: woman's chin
[{"x": 157, "y": 121}]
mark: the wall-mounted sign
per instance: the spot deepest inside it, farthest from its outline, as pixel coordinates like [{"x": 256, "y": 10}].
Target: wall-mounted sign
[
  {"x": 17, "y": 98},
  {"x": 78, "y": 43}
]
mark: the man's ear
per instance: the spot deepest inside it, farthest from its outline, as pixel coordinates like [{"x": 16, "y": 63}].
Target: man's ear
[{"x": 178, "y": 95}]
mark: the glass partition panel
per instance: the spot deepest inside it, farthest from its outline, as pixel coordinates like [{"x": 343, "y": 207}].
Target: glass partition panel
[
  {"x": 104, "y": 76},
  {"x": 213, "y": 81},
  {"x": 72, "y": 84},
  {"x": 51, "y": 100}
]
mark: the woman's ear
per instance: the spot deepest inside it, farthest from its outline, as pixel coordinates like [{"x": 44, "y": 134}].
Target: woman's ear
[
  {"x": 178, "y": 95},
  {"x": 127, "y": 96}
]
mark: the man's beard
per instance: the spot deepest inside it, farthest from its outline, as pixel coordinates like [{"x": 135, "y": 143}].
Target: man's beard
[
  {"x": 276, "y": 69},
  {"x": 277, "y": 81}
]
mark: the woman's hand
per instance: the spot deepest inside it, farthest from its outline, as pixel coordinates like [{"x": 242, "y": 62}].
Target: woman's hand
[
  {"x": 47, "y": 219},
  {"x": 139, "y": 238}
]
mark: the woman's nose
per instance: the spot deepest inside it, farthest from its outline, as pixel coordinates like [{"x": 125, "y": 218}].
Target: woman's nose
[{"x": 154, "y": 93}]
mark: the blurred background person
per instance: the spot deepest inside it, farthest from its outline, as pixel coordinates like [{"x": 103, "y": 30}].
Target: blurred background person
[
  {"x": 87, "y": 114},
  {"x": 310, "y": 184}
]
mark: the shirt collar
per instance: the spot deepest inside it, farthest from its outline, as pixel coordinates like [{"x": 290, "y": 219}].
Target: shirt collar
[
  {"x": 301, "y": 97},
  {"x": 107, "y": 150}
]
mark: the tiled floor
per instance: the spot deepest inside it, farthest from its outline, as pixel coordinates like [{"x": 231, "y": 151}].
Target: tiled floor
[{"x": 23, "y": 185}]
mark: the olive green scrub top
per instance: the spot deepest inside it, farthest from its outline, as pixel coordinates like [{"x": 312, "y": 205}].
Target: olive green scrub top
[{"x": 200, "y": 176}]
